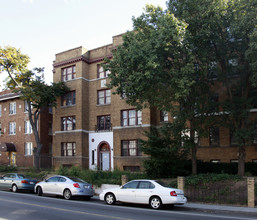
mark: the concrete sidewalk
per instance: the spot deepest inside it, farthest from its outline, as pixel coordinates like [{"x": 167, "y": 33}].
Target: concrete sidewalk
[{"x": 208, "y": 207}]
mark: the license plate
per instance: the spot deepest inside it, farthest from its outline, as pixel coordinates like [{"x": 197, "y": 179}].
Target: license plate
[{"x": 31, "y": 183}]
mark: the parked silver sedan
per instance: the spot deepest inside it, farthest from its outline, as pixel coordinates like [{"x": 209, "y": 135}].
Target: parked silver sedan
[
  {"x": 149, "y": 192},
  {"x": 64, "y": 186},
  {"x": 16, "y": 181}
]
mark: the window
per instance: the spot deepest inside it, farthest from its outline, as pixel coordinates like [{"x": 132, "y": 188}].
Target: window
[
  {"x": 214, "y": 135},
  {"x": 131, "y": 185},
  {"x": 164, "y": 116},
  {"x": 255, "y": 134},
  {"x": 68, "y": 149},
  {"x": 213, "y": 71},
  {"x": 12, "y": 128},
  {"x": 69, "y": 99},
  {"x": 26, "y": 106},
  {"x": 28, "y": 149},
  {"x": 0, "y": 129},
  {"x": 50, "y": 128},
  {"x": 28, "y": 127},
  {"x": 68, "y": 123},
  {"x": 103, "y": 123},
  {"x": 104, "y": 97},
  {"x": 131, "y": 117},
  {"x": 214, "y": 103},
  {"x": 233, "y": 139},
  {"x": 12, "y": 108},
  {"x": 68, "y": 73},
  {"x": 53, "y": 179},
  {"x": 146, "y": 185},
  {"x": 101, "y": 73},
  {"x": 232, "y": 67},
  {"x": 130, "y": 148},
  {"x": 0, "y": 110},
  {"x": 131, "y": 168}
]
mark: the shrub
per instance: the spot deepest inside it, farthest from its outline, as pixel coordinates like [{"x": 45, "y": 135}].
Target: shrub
[
  {"x": 7, "y": 169},
  {"x": 99, "y": 177},
  {"x": 210, "y": 178}
]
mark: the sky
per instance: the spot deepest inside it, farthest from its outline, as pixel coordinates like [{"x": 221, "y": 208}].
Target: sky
[{"x": 43, "y": 28}]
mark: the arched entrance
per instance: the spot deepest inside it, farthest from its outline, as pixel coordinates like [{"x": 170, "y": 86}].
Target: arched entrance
[{"x": 104, "y": 156}]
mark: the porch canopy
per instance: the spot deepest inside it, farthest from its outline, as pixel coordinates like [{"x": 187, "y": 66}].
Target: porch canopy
[{"x": 4, "y": 147}]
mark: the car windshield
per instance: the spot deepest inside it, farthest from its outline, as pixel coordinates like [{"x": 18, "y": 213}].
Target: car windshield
[{"x": 75, "y": 179}]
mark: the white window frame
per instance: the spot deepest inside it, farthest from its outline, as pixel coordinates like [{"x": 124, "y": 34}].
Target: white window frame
[
  {"x": 12, "y": 108},
  {"x": 12, "y": 128},
  {"x": 28, "y": 149},
  {"x": 28, "y": 127}
]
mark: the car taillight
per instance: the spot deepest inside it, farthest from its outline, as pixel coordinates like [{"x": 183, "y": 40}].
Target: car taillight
[
  {"x": 173, "y": 193},
  {"x": 76, "y": 185},
  {"x": 24, "y": 181}
]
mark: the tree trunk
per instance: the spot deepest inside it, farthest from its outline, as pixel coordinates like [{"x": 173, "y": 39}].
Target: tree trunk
[
  {"x": 36, "y": 161},
  {"x": 241, "y": 161},
  {"x": 194, "y": 161},
  {"x": 193, "y": 151}
]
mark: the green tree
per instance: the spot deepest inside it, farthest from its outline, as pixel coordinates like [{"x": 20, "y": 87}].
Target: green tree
[
  {"x": 223, "y": 36},
  {"x": 32, "y": 88},
  {"x": 167, "y": 158},
  {"x": 155, "y": 67}
]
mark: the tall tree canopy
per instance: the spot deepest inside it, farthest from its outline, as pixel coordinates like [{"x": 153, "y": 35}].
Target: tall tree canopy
[
  {"x": 223, "y": 35},
  {"x": 177, "y": 59},
  {"x": 155, "y": 66},
  {"x": 32, "y": 88}
]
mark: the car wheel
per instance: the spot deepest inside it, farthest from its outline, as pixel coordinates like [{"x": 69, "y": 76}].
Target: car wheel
[
  {"x": 39, "y": 191},
  {"x": 14, "y": 188},
  {"x": 110, "y": 199},
  {"x": 155, "y": 202},
  {"x": 67, "y": 194}
]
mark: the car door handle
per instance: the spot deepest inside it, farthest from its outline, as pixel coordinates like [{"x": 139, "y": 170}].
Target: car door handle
[{"x": 133, "y": 191}]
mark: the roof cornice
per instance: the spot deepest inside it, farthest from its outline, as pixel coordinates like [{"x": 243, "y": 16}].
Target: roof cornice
[{"x": 81, "y": 58}]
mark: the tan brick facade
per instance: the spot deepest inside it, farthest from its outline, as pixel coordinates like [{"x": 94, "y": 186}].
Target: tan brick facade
[
  {"x": 91, "y": 146},
  {"x": 18, "y": 157}
]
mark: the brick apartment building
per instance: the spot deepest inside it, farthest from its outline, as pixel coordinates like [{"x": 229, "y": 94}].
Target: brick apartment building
[
  {"x": 16, "y": 138},
  {"x": 97, "y": 130}
]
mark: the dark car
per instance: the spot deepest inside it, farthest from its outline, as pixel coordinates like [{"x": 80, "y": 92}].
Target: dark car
[{"x": 16, "y": 181}]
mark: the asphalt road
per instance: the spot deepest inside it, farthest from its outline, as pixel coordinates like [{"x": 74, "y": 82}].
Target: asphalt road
[{"x": 30, "y": 206}]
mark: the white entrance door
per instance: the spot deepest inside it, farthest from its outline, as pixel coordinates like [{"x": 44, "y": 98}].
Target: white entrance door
[{"x": 105, "y": 160}]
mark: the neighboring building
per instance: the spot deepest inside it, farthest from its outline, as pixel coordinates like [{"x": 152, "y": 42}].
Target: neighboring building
[
  {"x": 17, "y": 139},
  {"x": 95, "y": 129}
]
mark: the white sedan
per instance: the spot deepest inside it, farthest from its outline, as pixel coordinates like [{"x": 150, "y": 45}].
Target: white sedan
[{"x": 144, "y": 192}]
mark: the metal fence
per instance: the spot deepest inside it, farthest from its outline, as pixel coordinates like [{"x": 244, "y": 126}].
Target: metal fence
[{"x": 227, "y": 192}]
